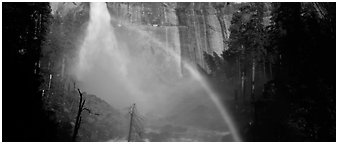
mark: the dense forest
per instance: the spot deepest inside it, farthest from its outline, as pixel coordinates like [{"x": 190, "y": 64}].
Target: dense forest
[
  {"x": 278, "y": 67},
  {"x": 283, "y": 70},
  {"x": 24, "y": 26},
  {"x": 40, "y": 100}
]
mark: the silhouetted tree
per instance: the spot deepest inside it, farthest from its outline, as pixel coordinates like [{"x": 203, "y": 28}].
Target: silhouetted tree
[{"x": 24, "y": 27}]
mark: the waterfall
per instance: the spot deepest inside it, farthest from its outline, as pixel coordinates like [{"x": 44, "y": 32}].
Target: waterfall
[{"x": 129, "y": 64}]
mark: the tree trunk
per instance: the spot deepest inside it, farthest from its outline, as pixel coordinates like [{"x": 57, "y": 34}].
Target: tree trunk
[
  {"x": 78, "y": 117},
  {"x": 131, "y": 122},
  {"x": 253, "y": 94},
  {"x": 50, "y": 81},
  {"x": 253, "y": 80},
  {"x": 242, "y": 73},
  {"x": 43, "y": 93},
  {"x": 130, "y": 127},
  {"x": 37, "y": 68},
  {"x": 243, "y": 85}
]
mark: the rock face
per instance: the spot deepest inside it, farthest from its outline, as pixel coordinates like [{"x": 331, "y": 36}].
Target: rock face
[
  {"x": 188, "y": 28},
  {"x": 200, "y": 31}
]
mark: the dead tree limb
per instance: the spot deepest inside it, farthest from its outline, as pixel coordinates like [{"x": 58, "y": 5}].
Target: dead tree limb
[{"x": 78, "y": 117}]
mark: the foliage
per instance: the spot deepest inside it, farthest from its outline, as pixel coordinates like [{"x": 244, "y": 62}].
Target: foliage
[
  {"x": 298, "y": 101},
  {"x": 24, "y": 27},
  {"x": 39, "y": 101},
  {"x": 302, "y": 79}
]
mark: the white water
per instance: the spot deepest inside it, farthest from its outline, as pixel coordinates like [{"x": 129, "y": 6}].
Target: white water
[{"x": 127, "y": 64}]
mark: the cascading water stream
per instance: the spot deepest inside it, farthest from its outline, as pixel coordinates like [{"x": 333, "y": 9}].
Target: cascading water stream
[{"x": 101, "y": 42}]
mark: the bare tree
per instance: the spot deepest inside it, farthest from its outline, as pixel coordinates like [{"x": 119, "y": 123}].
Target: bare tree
[
  {"x": 135, "y": 126},
  {"x": 78, "y": 117}
]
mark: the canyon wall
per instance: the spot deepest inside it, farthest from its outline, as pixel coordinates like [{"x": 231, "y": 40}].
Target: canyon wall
[{"x": 188, "y": 28}]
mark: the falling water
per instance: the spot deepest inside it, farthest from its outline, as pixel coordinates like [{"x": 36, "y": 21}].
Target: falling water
[{"x": 121, "y": 56}]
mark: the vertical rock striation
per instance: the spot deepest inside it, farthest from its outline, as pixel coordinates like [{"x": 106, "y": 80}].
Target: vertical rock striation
[{"x": 189, "y": 28}]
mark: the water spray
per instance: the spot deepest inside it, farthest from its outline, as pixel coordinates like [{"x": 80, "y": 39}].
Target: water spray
[
  {"x": 213, "y": 96},
  {"x": 99, "y": 15}
]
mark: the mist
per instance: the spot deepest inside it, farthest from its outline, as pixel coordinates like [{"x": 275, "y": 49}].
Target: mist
[
  {"x": 125, "y": 63},
  {"x": 169, "y": 71}
]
